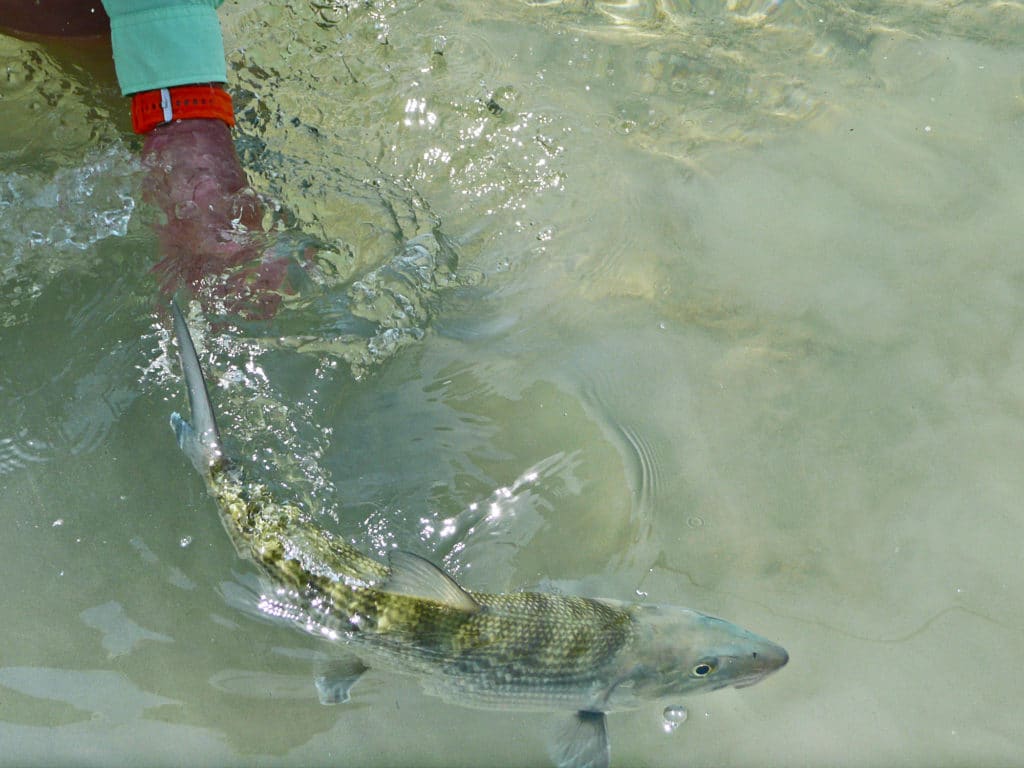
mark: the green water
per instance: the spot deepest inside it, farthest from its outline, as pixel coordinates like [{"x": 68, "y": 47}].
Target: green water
[{"x": 664, "y": 300}]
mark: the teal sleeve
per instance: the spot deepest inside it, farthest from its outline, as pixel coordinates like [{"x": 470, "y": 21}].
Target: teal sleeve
[{"x": 160, "y": 43}]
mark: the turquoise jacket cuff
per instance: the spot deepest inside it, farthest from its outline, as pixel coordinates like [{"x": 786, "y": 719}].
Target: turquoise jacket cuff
[{"x": 158, "y": 44}]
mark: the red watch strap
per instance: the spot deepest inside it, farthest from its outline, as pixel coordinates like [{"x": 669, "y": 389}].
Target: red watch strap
[{"x": 153, "y": 108}]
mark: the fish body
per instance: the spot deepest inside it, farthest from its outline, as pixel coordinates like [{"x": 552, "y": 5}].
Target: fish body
[{"x": 522, "y": 650}]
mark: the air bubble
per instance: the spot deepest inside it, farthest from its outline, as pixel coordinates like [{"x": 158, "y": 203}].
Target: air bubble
[{"x": 673, "y": 717}]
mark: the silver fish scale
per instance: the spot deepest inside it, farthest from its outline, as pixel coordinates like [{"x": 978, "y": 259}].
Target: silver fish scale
[
  {"x": 519, "y": 649},
  {"x": 522, "y": 650}
]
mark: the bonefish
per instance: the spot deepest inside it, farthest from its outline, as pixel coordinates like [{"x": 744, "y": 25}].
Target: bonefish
[{"x": 525, "y": 650}]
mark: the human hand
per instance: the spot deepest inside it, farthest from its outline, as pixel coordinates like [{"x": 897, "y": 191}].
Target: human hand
[{"x": 212, "y": 235}]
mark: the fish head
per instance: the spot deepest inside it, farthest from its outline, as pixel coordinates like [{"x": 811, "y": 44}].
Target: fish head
[{"x": 677, "y": 651}]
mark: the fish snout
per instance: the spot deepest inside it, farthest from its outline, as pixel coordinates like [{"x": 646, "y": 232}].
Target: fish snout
[
  {"x": 762, "y": 661},
  {"x": 772, "y": 656}
]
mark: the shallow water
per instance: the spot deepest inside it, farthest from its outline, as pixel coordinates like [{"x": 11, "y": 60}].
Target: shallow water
[{"x": 712, "y": 303}]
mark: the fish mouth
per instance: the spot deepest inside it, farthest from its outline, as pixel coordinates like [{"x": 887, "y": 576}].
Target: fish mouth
[
  {"x": 766, "y": 660},
  {"x": 751, "y": 680}
]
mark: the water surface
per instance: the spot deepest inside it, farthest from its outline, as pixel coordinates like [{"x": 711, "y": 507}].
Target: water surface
[{"x": 712, "y": 303}]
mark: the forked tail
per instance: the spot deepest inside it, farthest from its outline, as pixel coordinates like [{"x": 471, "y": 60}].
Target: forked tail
[{"x": 200, "y": 440}]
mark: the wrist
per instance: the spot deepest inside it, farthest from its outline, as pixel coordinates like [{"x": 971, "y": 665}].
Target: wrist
[
  {"x": 181, "y": 102},
  {"x": 197, "y": 152}
]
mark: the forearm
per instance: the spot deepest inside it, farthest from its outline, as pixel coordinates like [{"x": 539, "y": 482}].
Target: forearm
[
  {"x": 205, "y": 199},
  {"x": 211, "y": 217},
  {"x": 195, "y": 178}
]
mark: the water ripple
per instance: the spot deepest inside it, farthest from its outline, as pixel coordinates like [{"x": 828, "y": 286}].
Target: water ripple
[
  {"x": 50, "y": 224},
  {"x": 492, "y": 530},
  {"x": 20, "y": 451}
]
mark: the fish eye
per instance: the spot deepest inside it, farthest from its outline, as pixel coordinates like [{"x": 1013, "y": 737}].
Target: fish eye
[{"x": 704, "y": 668}]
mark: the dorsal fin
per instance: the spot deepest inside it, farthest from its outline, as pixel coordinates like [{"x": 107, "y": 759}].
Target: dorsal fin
[{"x": 414, "y": 576}]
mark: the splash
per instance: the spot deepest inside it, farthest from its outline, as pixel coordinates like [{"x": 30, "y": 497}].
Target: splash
[{"x": 50, "y": 223}]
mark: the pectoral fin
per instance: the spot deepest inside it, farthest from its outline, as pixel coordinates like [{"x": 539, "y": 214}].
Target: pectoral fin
[
  {"x": 413, "y": 576},
  {"x": 583, "y": 742},
  {"x": 334, "y": 679}
]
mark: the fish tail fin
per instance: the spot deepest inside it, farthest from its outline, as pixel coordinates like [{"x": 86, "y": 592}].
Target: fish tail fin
[{"x": 201, "y": 440}]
